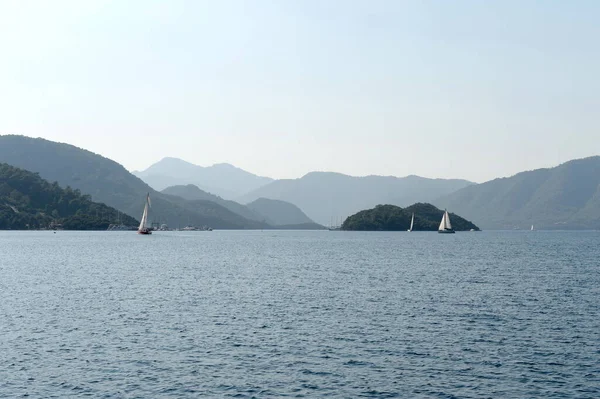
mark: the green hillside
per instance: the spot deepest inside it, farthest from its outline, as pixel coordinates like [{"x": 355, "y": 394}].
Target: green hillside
[
  {"x": 29, "y": 202},
  {"x": 394, "y": 218}
]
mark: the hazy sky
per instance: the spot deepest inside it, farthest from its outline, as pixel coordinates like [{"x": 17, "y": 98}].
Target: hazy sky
[{"x": 469, "y": 89}]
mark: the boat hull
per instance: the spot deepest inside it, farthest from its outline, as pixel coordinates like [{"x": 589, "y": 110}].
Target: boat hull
[
  {"x": 145, "y": 232},
  {"x": 446, "y": 231}
]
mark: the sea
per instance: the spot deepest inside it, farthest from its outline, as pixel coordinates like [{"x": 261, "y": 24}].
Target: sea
[{"x": 300, "y": 314}]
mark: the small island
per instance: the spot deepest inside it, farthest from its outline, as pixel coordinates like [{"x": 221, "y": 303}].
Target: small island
[{"x": 395, "y": 218}]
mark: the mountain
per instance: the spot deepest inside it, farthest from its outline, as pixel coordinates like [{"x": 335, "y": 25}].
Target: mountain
[
  {"x": 192, "y": 192},
  {"x": 394, "y": 218},
  {"x": 326, "y": 195},
  {"x": 563, "y": 197},
  {"x": 279, "y": 213},
  {"x": 274, "y": 212},
  {"x": 108, "y": 182},
  {"x": 223, "y": 179},
  {"x": 28, "y": 201}
]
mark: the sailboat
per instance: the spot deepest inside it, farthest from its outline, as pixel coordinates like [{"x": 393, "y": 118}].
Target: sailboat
[
  {"x": 412, "y": 222},
  {"x": 445, "y": 225},
  {"x": 143, "y": 229},
  {"x": 531, "y": 227}
]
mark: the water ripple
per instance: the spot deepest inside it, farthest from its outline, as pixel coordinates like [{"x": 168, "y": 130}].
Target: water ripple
[{"x": 299, "y": 314}]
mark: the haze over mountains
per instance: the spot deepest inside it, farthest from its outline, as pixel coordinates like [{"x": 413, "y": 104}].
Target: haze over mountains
[
  {"x": 223, "y": 179},
  {"x": 564, "y": 197},
  {"x": 193, "y": 193},
  {"x": 275, "y": 213},
  {"x": 280, "y": 213},
  {"x": 323, "y": 196},
  {"x": 327, "y": 195}
]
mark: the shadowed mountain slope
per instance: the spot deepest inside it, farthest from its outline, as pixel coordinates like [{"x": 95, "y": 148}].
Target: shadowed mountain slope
[
  {"x": 279, "y": 213},
  {"x": 563, "y": 197},
  {"x": 273, "y": 212}
]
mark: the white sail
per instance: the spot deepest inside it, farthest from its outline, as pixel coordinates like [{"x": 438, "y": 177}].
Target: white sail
[
  {"x": 144, "y": 218},
  {"x": 412, "y": 222},
  {"x": 448, "y": 224},
  {"x": 144, "y": 221},
  {"x": 531, "y": 227},
  {"x": 445, "y": 223}
]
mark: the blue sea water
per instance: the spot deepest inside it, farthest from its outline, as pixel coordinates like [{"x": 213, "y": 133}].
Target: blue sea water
[{"x": 300, "y": 314}]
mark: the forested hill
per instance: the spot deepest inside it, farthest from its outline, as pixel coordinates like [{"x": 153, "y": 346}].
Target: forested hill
[
  {"x": 564, "y": 197},
  {"x": 394, "y": 218},
  {"x": 29, "y": 202}
]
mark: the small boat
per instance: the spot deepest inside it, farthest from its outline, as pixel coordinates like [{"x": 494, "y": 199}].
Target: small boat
[
  {"x": 144, "y": 229},
  {"x": 412, "y": 222},
  {"x": 445, "y": 225}
]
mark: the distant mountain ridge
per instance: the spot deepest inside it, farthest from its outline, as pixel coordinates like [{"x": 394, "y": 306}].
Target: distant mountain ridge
[
  {"x": 279, "y": 213},
  {"x": 324, "y": 196},
  {"x": 567, "y": 196},
  {"x": 273, "y": 212},
  {"x": 192, "y": 193},
  {"x": 224, "y": 180},
  {"x": 564, "y": 197}
]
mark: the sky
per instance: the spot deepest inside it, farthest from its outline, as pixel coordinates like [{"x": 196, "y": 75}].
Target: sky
[{"x": 461, "y": 89}]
